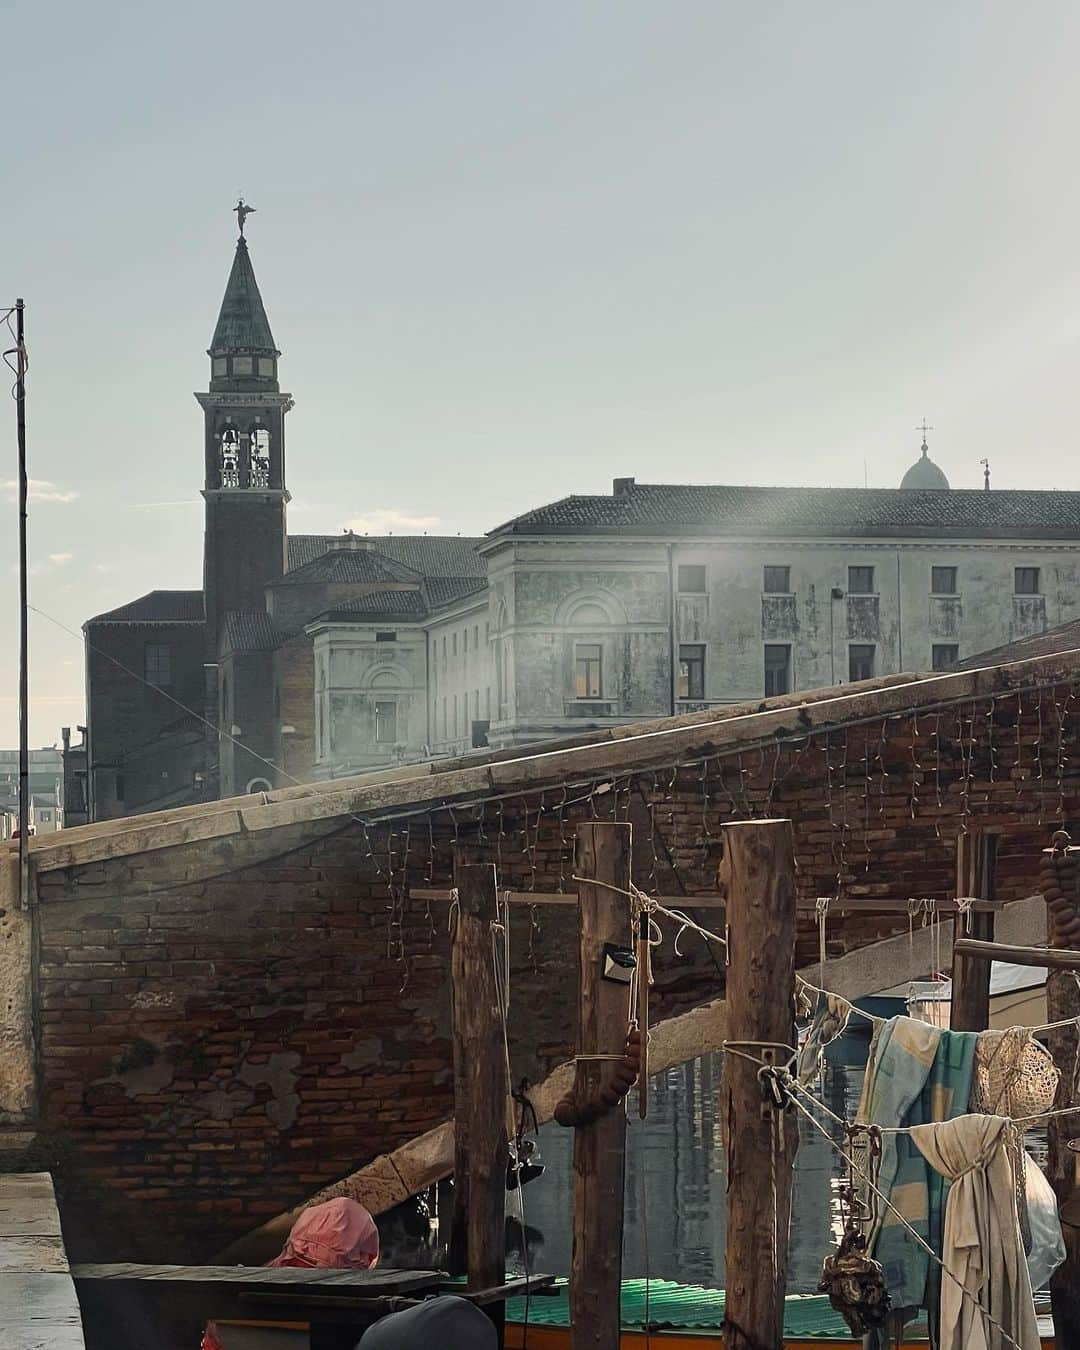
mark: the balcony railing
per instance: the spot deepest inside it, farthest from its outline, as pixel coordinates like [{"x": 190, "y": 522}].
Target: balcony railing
[{"x": 590, "y": 707}]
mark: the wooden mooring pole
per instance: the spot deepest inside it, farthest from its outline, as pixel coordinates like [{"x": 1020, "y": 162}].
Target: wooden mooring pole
[
  {"x": 480, "y": 1145},
  {"x": 1059, "y": 881},
  {"x": 976, "y": 866},
  {"x": 603, "y": 855},
  {"x": 758, "y": 873}
]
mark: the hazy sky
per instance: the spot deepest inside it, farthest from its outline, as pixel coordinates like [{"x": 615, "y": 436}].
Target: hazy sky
[{"x": 512, "y": 250}]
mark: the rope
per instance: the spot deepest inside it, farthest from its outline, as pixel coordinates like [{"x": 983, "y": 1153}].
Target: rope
[
  {"x": 863, "y": 1175},
  {"x": 651, "y": 906},
  {"x": 821, "y": 908},
  {"x": 500, "y": 964}
]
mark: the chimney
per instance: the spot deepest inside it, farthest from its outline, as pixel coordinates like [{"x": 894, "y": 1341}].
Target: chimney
[{"x": 622, "y": 487}]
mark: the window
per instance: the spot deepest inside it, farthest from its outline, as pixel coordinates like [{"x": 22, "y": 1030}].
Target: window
[
  {"x": 444, "y": 649},
  {"x": 943, "y": 580},
  {"x": 943, "y": 655},
  {"x": 453, "y": 644},
  {"x": 445, "y": 724},
  {"x": 860, "y": 661},
  {"x": 1027, "y": 581},
  {"x": 465, "y": 639},
  {"x": 777, "y": 580},
  {"x": 260, "y": 457},
  {"x": 46, "y": 817},
  {"x": 777, "y": 669},
  {"x": 385, "y": 637},
  {"x": 230, "y": 458},
  {"x": 157, "y": 664},
  {"x": 266, "y": 367},
  {"x": 241, "y": 365},
  {"x": 587, "y": 672},
  {"x": 453, "y": 705},
  {"x": 860, "y": 581},
  {"x": 691, "y": 577},
  {"x": 476, "y": 637},
  {"x": 691, "y": 671},
  {"x": 385, "y": 723}
]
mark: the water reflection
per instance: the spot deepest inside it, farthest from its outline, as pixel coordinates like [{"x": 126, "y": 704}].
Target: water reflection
[
  {"x": 675, "y": 1190},
  {"x": 675, "y": 1184}
]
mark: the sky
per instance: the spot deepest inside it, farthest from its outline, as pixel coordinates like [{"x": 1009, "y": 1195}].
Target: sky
[{"x": 513, "y": 250}]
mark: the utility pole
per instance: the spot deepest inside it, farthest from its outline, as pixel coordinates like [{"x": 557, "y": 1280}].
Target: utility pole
[{"x": 24, "y": 748}]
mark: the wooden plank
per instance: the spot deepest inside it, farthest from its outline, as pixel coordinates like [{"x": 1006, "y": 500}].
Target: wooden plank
[
  {"x": 603, "y": 855},
  {"x": 852, "y": 904},
  {"x": 531, "y": 1284},
  {"x": 480, "y": 1086},
  {"x": 1052, "y": 958},
  {"x": 759, "y": 870},
  {"x": 380, "y": 1280},
  {"x": 976, "y": 861}
]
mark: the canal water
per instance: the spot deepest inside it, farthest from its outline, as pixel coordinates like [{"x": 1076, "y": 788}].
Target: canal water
[{"x": 675, "y": 1184}]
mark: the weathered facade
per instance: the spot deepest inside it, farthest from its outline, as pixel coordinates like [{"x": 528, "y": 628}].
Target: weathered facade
[
  {"x": 314, "y": 657},
  {"x": 243, "y": 1001}
]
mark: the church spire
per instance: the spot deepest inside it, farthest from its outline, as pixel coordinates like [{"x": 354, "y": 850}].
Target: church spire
[{"x": 242, "y": 351}]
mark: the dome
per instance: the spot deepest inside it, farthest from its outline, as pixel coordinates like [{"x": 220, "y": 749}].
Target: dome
[{"x": 924, "y": 473}]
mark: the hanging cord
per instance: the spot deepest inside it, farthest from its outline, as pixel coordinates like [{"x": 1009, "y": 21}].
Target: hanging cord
[
  {"x": 652, "y": 907},
  {"x": 500, "y": 965},
  {"x": 821, "y": 909},
  {"x": 964, "y": 904}
]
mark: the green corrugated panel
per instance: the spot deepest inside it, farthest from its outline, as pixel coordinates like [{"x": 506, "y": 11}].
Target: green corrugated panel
[{"x": 687, "y": 1306}]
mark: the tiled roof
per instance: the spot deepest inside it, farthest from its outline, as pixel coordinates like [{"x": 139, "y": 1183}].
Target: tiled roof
[
  {"x": 343, "y": 566},
  {"x": 657, "y": 508},
  {"x": 429, "y": 554},
  {"x": 157, "y": 607},
  {"x": 242, "y": 323},
  {"x": 442, "y": 591},
  {"x": 1064, "y": 638},
  {"x": 250, "y": 631},
  {"x": 381, "y": 604}
]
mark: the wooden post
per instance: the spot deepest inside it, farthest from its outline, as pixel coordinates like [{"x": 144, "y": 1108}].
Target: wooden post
[
  {"x": 480, "y": 1086},
  {"x": 976, "y": 867},
  {"x": 603, "y": 853},
  {"x": 1059, "y": 880},
  {"x": 758, "y": 871}
]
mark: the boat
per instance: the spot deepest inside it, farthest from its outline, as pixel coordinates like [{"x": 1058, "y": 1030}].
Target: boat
[{"x": 690, "y": 1317}]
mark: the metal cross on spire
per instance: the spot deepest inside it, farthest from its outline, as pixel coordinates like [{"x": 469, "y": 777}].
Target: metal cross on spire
[
  {"x": 924, "y": 429},
  {"x": 242, "y": 213}
]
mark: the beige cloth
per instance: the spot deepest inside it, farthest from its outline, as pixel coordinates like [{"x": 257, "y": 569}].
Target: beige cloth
[{"x": 982, "y": 1243}]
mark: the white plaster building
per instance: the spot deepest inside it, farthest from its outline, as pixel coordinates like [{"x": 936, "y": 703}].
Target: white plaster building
[{"x": 600, "y": 610}]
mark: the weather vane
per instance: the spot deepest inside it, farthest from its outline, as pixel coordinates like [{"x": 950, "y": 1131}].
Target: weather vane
[{"x": 242, "y": 213}]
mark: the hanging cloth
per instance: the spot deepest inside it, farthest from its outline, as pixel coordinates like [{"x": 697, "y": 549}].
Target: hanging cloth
[
  {"x": 920, "y": 1073},
  {"x": 982, "y": 1246}
]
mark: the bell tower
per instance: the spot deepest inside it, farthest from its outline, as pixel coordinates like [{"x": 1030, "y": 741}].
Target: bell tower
[{"x": 244, "y": 489}]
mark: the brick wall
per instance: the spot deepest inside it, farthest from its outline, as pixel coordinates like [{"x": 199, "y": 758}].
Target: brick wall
[{"x": 215, "y": 1052}]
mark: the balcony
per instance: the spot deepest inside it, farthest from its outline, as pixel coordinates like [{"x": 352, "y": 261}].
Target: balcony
[{"x": 590, "y": 707}]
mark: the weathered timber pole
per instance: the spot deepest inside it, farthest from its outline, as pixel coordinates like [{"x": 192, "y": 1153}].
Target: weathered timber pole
[
  {"x": 480, "y": 1087},
  {"x": 976, "y": 867},
  {"x": 602, "y": 855},
  {"x": 758, "y": 872},
  {"x": 1059, "y": 879}
]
